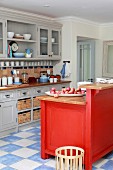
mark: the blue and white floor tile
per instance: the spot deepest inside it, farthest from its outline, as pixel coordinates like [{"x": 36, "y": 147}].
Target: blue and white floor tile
[{"x": 21, "y": 151}]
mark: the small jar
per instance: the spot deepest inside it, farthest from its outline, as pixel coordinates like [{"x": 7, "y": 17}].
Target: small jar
[
  {"x": 25, "y": 78},
  {"x": 58, "y": 77},
  {"x": 52, "y": 76}
]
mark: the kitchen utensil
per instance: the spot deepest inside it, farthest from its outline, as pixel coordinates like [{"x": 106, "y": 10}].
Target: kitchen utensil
[
  {"x": 27, "y": 36},
  {"x": 10, "y": 34}
]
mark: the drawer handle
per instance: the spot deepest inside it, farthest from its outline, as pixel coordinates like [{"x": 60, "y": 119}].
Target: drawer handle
[
  {"x": 24, "y": 93},
  {"x": 7, "y": 96},
  {"x": 38, "y": 91}
]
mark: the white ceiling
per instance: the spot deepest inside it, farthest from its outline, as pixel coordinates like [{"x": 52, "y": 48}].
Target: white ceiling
[{"x": 99, "y": 11}]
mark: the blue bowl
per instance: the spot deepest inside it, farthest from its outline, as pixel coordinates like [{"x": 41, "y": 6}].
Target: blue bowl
[{"x": 19, "y": 55}]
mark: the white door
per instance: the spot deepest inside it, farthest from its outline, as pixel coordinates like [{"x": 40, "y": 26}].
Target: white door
[{"x": 86, "y": 61}]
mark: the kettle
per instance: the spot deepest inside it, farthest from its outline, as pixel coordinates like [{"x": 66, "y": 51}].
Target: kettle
[{"x": 28, "y": 53}]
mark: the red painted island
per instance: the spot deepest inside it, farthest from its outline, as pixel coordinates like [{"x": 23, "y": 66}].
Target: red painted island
[{"x": 86, "y": 122}]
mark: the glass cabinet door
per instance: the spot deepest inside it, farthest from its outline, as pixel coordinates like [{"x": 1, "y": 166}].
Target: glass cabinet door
[
  {"x": 44, "y": 42},
  {"x": 55, "y": 43},
  {"x": 1, "y": 38},
  {"x": 50, "y": 43}
]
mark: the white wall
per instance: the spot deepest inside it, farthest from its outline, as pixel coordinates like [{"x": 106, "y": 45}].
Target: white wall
[{"x": 71, "y": 29}]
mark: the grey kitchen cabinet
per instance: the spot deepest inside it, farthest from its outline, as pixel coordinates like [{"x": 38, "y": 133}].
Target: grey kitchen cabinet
[
  {"x": 49, "y": 43},
  {"x": 2, "y": 38},
  {"x": 8, "y": 111},
  {"x": 21, "y": 23},
  {"x": 8, "y": 118}
]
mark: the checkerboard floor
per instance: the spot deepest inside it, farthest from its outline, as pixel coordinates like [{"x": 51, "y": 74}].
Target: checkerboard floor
[{"x": 21, "y": 151}]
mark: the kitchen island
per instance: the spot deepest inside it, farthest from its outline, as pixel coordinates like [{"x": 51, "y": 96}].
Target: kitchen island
[{"x": 86, "y": 122}]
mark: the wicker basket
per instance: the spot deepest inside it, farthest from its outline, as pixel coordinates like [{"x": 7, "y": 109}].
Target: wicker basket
[
  {"x": 69, "y": 158},
  {"x": 36, "y": 114},
  {"x": 24, "y": 117},
  {"x": 24, "y": 104},
  {"x": 36, "y": 102}
]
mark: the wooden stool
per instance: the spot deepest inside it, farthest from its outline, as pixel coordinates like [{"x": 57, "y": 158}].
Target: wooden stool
[{"x": 69, "y": 158}]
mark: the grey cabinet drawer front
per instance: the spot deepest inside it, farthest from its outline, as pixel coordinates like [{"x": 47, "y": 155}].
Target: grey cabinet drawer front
[
  {"x": 39, "y": 91},
  {"x": 8, "y": 95},
  {"x": 23, "y": 93}
]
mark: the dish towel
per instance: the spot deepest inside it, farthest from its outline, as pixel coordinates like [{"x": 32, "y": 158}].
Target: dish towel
[
  {"x": 67, "y": 70},
  {"x": 63, "y": 70}
]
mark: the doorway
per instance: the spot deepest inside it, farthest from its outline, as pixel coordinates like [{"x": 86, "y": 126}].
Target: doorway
[{"x": 86, "y": 60}]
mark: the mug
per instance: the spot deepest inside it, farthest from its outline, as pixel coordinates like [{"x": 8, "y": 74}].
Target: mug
[
  {"x": 2, "y": 63},
  {"x": 51, "y": 80},
  {"x": 12, "y": 63},
  {"x": 7, "y": 63}
]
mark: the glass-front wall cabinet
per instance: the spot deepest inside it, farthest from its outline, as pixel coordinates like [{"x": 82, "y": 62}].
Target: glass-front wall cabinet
[
  {"x": 44, "y": 42},
  {"x": 2, "y": 38},
  {"x": 49, "y": 43}
]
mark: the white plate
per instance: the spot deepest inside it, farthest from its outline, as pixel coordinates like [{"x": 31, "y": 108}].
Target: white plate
[{"x": 48, "y": 93}]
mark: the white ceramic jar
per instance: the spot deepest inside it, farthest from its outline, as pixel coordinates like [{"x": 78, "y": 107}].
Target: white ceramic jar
[
  {"x": 4, "y": 81},
  {"x": 9, "y": 80}
]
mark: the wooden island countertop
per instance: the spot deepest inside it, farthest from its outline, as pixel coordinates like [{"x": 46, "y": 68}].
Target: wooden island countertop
[
  {"x": 97, "y": 86},
  {"x": 72, "y": 100}
]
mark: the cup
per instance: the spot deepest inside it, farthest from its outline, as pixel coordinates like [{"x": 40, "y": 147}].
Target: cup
[
  {"x": 17, "y": 63},
  {"x": 2, "y": 64},
  {"x": 7, "y": 63},
  {"x": 22, "y": 63},
  {"x": 55, "y": 80},
  {"x": 51, "y": 80},
  {"x": 12, "y": 63}
]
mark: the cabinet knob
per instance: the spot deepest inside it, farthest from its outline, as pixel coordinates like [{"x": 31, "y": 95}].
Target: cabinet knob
[
  {"x": 38, "y": 91},
  {"x": 7, "y": 96},
  {"x": 24, "y": 93}
]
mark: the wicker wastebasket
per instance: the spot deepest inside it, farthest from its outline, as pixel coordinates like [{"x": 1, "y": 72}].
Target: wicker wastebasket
[{"x": 69, "y": 158}]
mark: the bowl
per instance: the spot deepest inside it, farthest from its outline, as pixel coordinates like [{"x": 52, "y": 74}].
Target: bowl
[
  {"x": 27, "y": 36},
  {"x": 17, "y": 35},
  {"x": 43, "y": 39},
  {"x": 19, "y": 55},
  {"x": 10, "y": 34}
]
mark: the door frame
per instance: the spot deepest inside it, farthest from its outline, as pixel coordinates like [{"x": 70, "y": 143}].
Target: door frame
[{"x": 92, "y": 55}]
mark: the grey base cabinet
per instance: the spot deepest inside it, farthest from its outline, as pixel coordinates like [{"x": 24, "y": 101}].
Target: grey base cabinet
[{"x": 8, "y": 115}]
